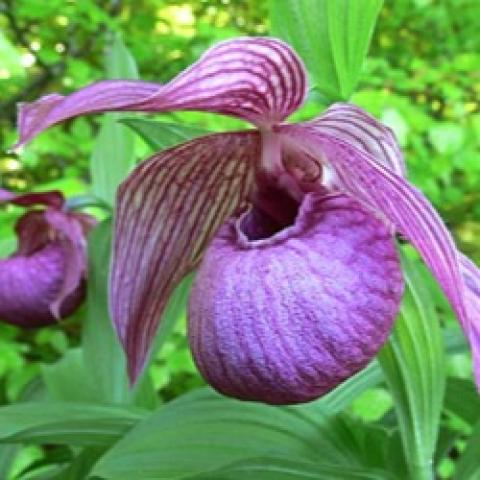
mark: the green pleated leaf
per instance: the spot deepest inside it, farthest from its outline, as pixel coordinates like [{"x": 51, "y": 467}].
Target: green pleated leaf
[
  {"x": 332, "y": 37},
  {"x": 113, "y": 153},
  {"x": 286, "y": 469},
  {"x": 160, "y": 135},
  {"x": 413, "y": 365},
  {"x": 204, "y": 431},
  {"x": 66, "y": 423}
]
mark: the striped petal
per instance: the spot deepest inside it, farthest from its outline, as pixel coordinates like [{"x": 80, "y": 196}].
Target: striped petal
[
  {"x": 167, "y": 212},
  {"x": 260, "y": 80},
  {"x": 369, "y": 180},
  {"x": 356, "y": 127},
  {"x": 471, "y": 276}
]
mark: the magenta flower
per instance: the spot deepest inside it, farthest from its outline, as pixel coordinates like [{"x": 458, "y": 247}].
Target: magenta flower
[
  {"x": 293, "y": 227},
  {"x": 44, "y": 280}
]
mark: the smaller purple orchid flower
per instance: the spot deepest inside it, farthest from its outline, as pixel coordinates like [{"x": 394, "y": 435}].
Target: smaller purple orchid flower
[
  {"x": 44, "y": 280},
  {"x": 293, "y": 227}
]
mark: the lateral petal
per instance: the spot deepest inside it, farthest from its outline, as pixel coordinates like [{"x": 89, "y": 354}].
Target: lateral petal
[
  {"x": 369, "y": 180},
  {"x": 168, "y": 210},
  {"x": 260, "y": 80}
]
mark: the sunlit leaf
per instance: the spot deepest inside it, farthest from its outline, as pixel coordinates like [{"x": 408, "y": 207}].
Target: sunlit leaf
[{"x": 332, "y": 37}]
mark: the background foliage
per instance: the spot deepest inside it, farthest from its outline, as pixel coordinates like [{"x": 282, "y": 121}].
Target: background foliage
[{"x": 422, "y": 77}]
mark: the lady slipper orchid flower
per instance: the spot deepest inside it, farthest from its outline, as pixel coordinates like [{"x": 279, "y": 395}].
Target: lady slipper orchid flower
[
  {"x": 292, "y": 225},
  {"x": 44, "y": 280}
]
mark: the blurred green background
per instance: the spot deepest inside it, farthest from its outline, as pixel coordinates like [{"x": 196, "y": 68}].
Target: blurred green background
[{"x": 422, "y": 78}]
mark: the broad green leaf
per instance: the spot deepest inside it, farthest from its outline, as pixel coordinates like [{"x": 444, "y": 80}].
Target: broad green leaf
[
  {"x": 468, "y": 467},
  {"x": 7, "y": 456},
  {"x": 286, "y": 469},
  {"x": 344, "y": 394},
  {"x": 203, "y": 431},
  {"x": 413, "y": 365},
  {"x": 160, "y": 135},
  {"x": 67, "y": 380},
  {"x": 332, "y": 37},
  {"x": 113, "y": 153},
  {"x": 462, "y": 399},
  {"x": 66, "y": 423},
  {"x": 78, "y": 468}
]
